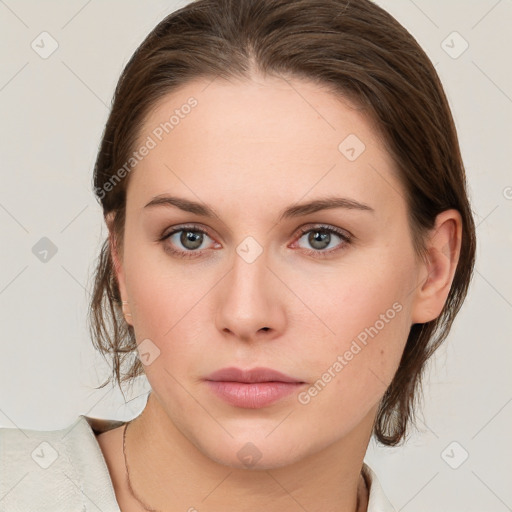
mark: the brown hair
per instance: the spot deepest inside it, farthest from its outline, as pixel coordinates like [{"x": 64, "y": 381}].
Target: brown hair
[{"x": 359, "y": 51}]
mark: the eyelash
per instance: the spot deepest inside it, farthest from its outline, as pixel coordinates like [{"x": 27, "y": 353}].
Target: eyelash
[{"x": 346, "y": 240}]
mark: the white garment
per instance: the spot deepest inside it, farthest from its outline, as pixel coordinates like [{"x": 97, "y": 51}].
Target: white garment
[{"x": 65, "y": 471}]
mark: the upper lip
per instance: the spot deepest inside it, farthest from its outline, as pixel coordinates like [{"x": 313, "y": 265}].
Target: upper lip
[{"x": 260, "y": 374}]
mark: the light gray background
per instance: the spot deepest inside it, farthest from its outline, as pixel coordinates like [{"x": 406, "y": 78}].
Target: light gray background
[{"x": 52, "y": 115}]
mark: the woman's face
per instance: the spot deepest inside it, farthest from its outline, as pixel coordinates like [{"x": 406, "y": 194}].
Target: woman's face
[{"x": 325, "y": 296}]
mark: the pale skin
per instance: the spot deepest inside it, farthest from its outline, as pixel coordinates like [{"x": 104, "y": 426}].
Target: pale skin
[{"x": 250, "y": 149}]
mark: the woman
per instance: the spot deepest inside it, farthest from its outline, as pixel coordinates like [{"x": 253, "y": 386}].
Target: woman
[{"x": 290, "y": 240}]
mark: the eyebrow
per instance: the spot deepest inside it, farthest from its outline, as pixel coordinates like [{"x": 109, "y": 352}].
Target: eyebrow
[{"x": 296, "y": 210}]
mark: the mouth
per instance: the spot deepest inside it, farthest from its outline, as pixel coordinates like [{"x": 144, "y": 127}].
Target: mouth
[
  {"x": 253, "y": 388},
  {"x": 250, "y": 376}
]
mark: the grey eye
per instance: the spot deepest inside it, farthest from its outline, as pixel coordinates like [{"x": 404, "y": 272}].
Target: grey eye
[
  {"x": 190, "y": 239},
  {"x": 320, "y": 239}
]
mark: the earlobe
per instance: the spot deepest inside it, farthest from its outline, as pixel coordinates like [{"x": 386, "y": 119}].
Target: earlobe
[{"x": 437, "y": 274}]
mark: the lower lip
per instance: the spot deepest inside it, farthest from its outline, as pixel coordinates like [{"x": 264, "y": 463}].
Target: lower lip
[{"x": 252, "y": 395}]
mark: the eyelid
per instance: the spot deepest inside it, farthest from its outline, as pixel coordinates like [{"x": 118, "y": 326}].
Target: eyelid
[
  {"x": 301, "y": 230},
  {"x": 343, "y": 233},
  {"x": 182, "y": 227}
]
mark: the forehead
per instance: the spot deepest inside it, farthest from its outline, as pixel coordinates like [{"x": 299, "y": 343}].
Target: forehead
[{"x": 257, "y": 139}]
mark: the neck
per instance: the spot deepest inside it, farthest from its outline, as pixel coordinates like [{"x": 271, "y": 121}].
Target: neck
[{"x": 166, "y": 468}]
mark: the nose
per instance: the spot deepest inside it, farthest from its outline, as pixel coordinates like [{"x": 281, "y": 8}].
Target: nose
[{"x": 251, "y": 301}]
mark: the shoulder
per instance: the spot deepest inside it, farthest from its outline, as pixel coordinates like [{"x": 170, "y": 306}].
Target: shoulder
[
  {"x": 377, "y": 500},
  {"x": 55, "y": 470}
]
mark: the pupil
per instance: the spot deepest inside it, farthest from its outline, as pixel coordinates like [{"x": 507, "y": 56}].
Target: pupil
[
  {"x": 194, "y": 239},
  {"x": 323, "y": 238}
]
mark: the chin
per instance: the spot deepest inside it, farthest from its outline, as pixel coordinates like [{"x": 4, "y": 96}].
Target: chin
[
  {"x": 256, "y": 452},
  {"x": 252, "y": 458}
]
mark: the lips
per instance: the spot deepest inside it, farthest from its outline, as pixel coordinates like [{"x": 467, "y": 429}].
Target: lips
[
  {"x": 252, "y": 389},
  {"x": 253, "y": 375}
]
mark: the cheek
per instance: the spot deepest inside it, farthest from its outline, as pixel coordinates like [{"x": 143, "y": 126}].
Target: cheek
[
  {"x": 159, "y": 292},
  {"x": 167, "y": 305},
  {"x": 352, "y": 373},
  {"x": 367, "y": 317}
]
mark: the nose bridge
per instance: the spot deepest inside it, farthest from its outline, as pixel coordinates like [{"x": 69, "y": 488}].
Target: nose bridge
[
  {"x": 249, "y": 300},
  {"x": 249, "y": 272},
  {"x": 249, "y": 277}
]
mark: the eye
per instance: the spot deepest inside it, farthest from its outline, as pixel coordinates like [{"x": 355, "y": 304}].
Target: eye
[
  {"x": 189, "y": 238},
  {"x": 188, "y": 241},
  {"x": 323, "y": 239}
]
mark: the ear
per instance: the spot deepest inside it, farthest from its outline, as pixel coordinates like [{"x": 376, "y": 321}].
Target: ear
[
  {"x": 118, "y": 265},
  {"x": 436, "y": 275}
]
